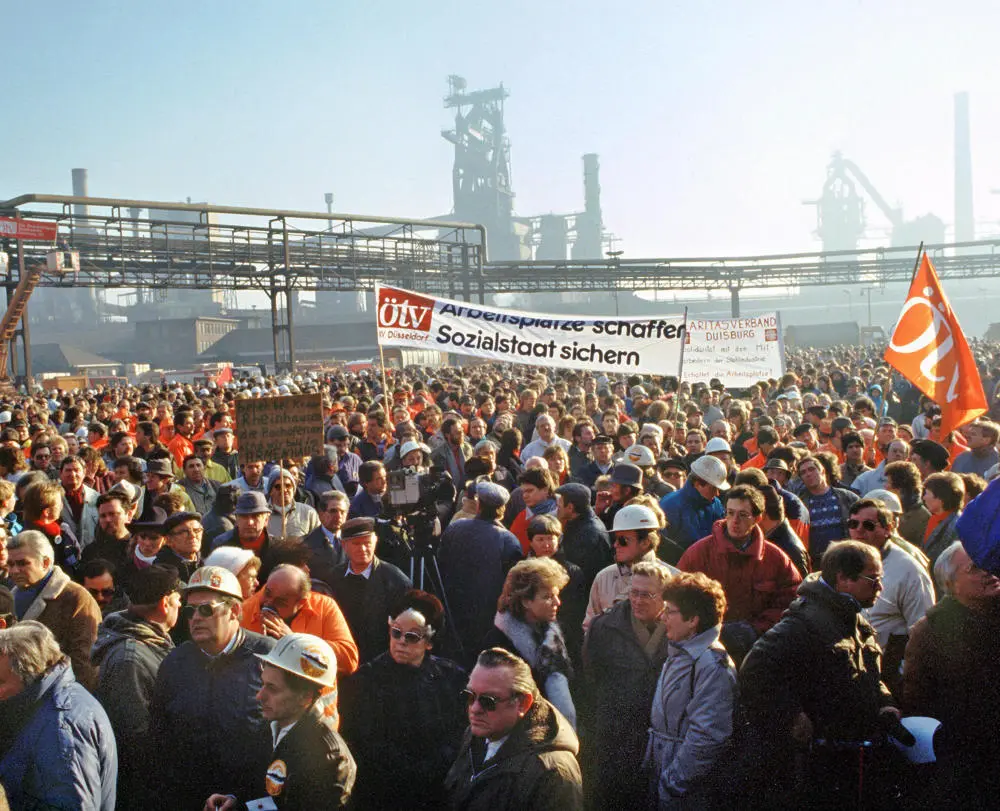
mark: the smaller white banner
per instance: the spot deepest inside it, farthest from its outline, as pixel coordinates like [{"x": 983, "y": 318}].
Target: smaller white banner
[{"x": 737, "y": 351}]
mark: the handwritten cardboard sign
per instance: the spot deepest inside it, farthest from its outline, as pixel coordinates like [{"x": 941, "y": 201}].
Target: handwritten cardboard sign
[{"x": 271, "y": 428}]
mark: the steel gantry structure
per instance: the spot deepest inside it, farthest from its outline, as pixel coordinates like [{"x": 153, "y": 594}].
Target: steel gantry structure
[{"x": 210, "y": 247}]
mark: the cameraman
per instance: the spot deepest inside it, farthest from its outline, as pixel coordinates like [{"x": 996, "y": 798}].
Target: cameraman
[{"x": 368, "y": 502}]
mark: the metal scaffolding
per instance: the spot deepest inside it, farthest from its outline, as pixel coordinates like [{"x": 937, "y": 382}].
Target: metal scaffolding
[{"x": 283, "y": 252}]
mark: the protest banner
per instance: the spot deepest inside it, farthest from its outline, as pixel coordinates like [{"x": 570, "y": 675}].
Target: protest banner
[
  {"x": 271, "y": 428},
  {"x": 644, "y": 345},
  {"x": 737, "y": 351}
]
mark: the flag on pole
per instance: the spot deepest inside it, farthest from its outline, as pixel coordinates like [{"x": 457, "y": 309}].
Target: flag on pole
[{"x": 928, "y": 348}]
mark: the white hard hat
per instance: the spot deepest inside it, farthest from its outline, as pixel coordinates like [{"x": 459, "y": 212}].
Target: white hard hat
[
  {"x": 711, "y": 470},
  {"x": 305, "y": 656},
  {"x": 891, "y": 500},
  {"x": 282, "y": 389},
  {"x": 923, "y": 729},
  {"x": 217, "y": 579},
  {"x": 297, "y": 378},
  {"x": 640, "y": 455},
  {"x": 411, "y": 445},
  {"x": 233, "y": 558},
  {"x": 203, "y": 392},
  {"x": 718, "y": 445},
  {"x": 255, "y": 390},
  {"x": 635, "y": 516}
]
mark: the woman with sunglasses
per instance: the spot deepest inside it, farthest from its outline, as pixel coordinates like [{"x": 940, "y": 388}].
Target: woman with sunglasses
[
  {"x": 403, "y": 713},
  {"x": 526, "y": 625}
]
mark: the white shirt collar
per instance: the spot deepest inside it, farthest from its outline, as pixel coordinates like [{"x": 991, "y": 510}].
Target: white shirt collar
[
  {"x": 492, "y": 747},
  {"x": 366, "y": 574},
  {"x": 277, "y": 733}
]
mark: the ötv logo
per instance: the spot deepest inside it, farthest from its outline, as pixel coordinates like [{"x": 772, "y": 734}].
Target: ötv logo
[{"x": 398, "y": 309}]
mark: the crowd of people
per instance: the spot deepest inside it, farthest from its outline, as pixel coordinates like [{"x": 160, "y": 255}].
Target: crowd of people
[{"x": 620, "y": 593}]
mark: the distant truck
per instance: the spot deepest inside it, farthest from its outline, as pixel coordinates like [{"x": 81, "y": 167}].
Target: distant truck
[{"x": 823, "y": 335}]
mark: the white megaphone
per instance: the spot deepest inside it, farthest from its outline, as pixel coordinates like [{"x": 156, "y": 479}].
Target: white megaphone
[{"x": 923, "y": 729}]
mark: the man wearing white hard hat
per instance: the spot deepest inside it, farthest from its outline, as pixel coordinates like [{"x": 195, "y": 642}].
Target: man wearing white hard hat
[
  {"x": 722, "y": 450},
  {"x": 204, "y": 716},
  {"x": 306, "y": 764},
  {"x": 636, "y": 534},
  {"x": 644, "y": 459},
  {"x": 693, "y": 510}
]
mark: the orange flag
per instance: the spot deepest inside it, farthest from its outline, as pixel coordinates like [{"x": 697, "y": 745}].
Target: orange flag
[{"x": 928, "y": 348}]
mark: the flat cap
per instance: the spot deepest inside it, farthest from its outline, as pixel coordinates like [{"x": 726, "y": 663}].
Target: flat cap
[
  {"x": 492, "y": 495},
  {"x": 357, "y": 527}
]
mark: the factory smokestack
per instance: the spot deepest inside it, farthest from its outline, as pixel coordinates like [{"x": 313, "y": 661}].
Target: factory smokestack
[
  {"x": 80, "y": 190},
  {"x": 965, "y": 225},
  {"x": 589, "y": 225}
]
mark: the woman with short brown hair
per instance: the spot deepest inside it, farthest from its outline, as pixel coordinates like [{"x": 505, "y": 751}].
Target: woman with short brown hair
[{"x": 526, "y": 624}]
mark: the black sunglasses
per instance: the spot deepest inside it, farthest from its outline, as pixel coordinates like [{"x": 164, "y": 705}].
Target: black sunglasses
[
  {"x": 487, "y": 702},
  {"x": 620, "y": 541},
  {"x": 203, "y": 610},
  {"x": 411, "y": 637},
  {"x": 869, "y": 526}
]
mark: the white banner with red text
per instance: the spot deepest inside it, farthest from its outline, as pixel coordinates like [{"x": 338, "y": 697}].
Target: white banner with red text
[
  {"x": 646, "y": 345},
  {"x": 736, "y": 351}
]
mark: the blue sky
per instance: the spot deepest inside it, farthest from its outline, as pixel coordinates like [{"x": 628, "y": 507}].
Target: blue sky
[{"x": 713, "y": 120}]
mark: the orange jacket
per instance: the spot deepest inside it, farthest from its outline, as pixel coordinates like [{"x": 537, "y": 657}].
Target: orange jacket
[
  {"x": 320, "y": 616},
  {"x": 180, "y": 448}
]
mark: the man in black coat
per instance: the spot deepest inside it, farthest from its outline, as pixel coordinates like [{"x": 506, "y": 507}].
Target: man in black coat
[
  {"x": 204, "y": 714},
  {"x": 585, "y": 539},
  {"x": 364, "y": 588},
  {"x": 129, "y": 649},
  {"x": 518, "y": 752},
  {"x": 303, "y": 762},
  {"x": 814, "y": 681}
]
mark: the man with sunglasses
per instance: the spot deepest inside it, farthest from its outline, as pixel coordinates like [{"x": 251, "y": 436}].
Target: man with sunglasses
[
  {"x": 130, "y": 647},
  {"x": 814, "y": 682},
  {"x": 204, "y": 716},
  {"x": 518, "y": 752},
  {"x": 907, "y": 591}
]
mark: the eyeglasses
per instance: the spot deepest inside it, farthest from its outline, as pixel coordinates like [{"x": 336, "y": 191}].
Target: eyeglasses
[
  {"x": 875, "y": 581},
  {"x": 487, "y": 702},
  {"x": 202, "y": 610},
  {"x": 742, "y": 515},
  {"x": 410, "y": 637},
  {"x": 973, "y": 570},
  {"x": 101, "y": 592},
  {"x": 642, "y": 595},
  {"x": 188, "y": 533},
  {"x": 620, "y": 541},
  {"x": 868, "y": 525}
]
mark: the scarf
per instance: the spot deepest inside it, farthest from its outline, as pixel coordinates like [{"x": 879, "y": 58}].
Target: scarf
[
  {"x": 544, "y": 649},
  {"x": 933, "y": 523},
  {"x": 75, "y": 501}
]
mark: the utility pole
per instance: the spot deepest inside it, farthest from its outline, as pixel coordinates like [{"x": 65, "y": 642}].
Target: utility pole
[{"x": 615, "y": 263}]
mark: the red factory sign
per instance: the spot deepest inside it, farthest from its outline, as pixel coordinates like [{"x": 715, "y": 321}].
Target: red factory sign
[{"x": 28, "y": 229}]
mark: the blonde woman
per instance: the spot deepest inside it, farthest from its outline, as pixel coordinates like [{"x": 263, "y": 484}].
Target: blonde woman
[{"x": 526, "y": 625}]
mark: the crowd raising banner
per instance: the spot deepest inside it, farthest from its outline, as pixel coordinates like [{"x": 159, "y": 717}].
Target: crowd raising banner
[
  {"x": 737, "y": 351},
  {"x": 644, "y": 345}
]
